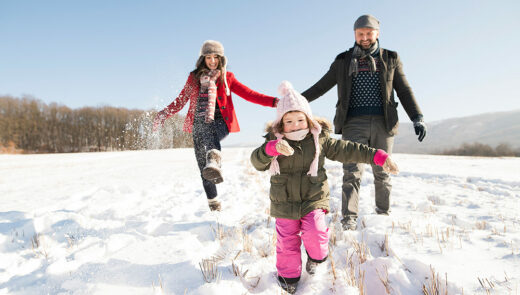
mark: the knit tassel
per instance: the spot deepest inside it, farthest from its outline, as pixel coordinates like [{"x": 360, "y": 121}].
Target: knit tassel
[
  {"x": 228, "y": 93},
  {"x": 313, "y": 170},
  {"x": 274, "y": 169}
]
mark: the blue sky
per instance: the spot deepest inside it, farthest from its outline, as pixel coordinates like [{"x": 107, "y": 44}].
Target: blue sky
[{"x": 459, "y": 56}]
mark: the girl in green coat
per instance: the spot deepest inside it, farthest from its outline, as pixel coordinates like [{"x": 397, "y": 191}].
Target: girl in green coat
[{"x": 294, "y": 152}]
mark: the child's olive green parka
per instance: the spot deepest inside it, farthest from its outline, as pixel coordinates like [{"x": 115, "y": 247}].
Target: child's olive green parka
[{"x": 293, "y": 193}]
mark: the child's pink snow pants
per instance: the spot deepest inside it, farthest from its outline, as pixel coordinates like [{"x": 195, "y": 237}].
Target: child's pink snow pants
[{"x": 315, "y": 237}]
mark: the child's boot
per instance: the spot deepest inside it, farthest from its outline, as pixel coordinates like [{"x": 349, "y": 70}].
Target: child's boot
[
  {"x": 212, "y": 170},
  {"x": 310, "y": 266},
  {"x": 214, "y": 204},
  {"x": 289, "y": 287}
]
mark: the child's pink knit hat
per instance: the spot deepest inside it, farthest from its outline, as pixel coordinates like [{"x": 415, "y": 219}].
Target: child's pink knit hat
[{"x": 291, "y": 100}]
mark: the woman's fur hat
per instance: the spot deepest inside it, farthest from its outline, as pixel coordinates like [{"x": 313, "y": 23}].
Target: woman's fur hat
[{"x": 214, "y": 47}]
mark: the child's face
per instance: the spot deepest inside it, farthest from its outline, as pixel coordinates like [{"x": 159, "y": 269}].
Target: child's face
[
  {"x": 211, "y": 61},
  {"x": 294, "y": 121}
]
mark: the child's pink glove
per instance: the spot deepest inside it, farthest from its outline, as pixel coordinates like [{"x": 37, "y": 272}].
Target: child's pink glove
[
  {"x": 278, "y": 147},
  {"x": 381, "y": 158},
  {"x": 270, "y": 148}
]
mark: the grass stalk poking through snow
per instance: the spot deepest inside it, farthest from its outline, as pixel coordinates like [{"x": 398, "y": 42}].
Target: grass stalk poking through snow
[
  {"x": 209, "y": 269},
  {"x": 218, "y": 232},
  {"x": 435, "y": 286},
  {"x": 361, "y": 249},
  {"x": 38, "y": 247},
  {"x": 161, "y": 285},
  {"x": 384, "y": 246},
  {"x": 384, "y": 279}
]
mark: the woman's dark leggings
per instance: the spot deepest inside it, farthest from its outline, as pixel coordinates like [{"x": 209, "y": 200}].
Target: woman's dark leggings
[{"x": 207, "y": 136}]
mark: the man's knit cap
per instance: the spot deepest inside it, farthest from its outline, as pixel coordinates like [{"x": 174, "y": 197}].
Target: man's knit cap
[{"x": 366, "y": 21}]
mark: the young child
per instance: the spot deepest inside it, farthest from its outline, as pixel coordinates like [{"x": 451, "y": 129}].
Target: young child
[
  {"x": 294, "y": 151},
  {"x": 211, "y": 114}
]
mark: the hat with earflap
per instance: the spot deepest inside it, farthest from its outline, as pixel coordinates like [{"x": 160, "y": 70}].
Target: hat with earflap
[
  {"x": 214, "y": 47},
  {"x": 291, "y": 100}
]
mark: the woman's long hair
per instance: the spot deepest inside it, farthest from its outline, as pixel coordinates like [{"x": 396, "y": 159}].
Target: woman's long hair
[{"x": 202, "y": 68}]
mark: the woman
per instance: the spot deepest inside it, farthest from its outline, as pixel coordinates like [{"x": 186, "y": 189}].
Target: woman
[{"x": 211, "y": 115}]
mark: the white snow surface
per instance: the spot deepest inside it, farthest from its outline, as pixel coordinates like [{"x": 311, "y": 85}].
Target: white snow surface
[{"x": 138, "y": 223}]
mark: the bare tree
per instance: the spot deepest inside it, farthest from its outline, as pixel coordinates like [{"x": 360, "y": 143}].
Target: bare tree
[{"x": 35, "y": 127}]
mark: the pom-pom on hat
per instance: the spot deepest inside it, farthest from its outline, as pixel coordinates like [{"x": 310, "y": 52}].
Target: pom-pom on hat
[
  {"x": 291, "y": 100},
  {"x": 214, "y": 47}
]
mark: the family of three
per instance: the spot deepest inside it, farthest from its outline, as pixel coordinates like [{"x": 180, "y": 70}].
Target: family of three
[{"x": 297, "y": 143}]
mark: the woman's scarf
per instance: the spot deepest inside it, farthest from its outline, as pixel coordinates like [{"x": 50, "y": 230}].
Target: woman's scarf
[{"x": 208, "y": 81}]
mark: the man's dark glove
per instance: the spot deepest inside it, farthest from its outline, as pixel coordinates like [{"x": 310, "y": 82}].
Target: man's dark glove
[{"x": 420, "y": 127}]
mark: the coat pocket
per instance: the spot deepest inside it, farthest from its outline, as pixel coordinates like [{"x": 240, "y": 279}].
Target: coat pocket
[
  {"x": 392, "y": 118},
  {"x": 278, "y": 190},
  {"x": 318, "y": 187}
]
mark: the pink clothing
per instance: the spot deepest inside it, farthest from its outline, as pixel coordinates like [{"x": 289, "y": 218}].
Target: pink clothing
[
  {"x": 380, "y": 157},
  {"x": 291, "y": 100},
  {"x": 270, "y": 148},
  {"x": 315, "y": 237}
]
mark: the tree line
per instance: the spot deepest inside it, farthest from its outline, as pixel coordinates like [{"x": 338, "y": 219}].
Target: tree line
[
  {"x": 28, "y": 125},
  {"x": 483, "y": 150}
]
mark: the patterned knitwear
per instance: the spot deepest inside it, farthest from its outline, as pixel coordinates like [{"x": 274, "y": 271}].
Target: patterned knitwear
[
  {"x": 365, "y": 98},
  {"x": 208, "y": 83},
  {"x": 202, "y": 106}
]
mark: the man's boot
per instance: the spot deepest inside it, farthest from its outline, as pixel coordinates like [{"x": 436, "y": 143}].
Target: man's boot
[
  {"x": 382, "y": 212},
  {"x": 212, "y": 170},
  {"x": 349, "y": 223}
]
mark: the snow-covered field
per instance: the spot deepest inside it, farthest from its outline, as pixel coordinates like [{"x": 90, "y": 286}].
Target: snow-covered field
[{"x": 138, "y": 223}]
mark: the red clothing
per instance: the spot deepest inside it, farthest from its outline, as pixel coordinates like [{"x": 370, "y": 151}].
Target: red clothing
[{"x": 225, "y": 103}]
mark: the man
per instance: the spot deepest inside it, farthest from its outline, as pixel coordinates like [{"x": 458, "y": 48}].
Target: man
[{"x": 366, "y": 111}]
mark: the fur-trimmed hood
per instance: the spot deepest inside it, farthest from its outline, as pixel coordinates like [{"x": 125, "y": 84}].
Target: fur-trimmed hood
[{"x": 326, "y": 126}]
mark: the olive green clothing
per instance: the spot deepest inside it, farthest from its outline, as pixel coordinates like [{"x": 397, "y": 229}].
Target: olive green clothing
[
  {"x": 391, "y": 77},
  {"x": 293, "y": 193}
]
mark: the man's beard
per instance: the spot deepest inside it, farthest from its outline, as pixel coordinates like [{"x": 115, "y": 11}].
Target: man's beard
[{"x": 367, "y": 46}]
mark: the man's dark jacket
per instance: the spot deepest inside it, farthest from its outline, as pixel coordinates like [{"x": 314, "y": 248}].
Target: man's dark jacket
[{"x": 391, "y": 76}]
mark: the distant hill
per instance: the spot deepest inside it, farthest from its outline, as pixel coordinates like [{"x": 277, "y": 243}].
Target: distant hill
[{"x": 489, "y": 128}]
